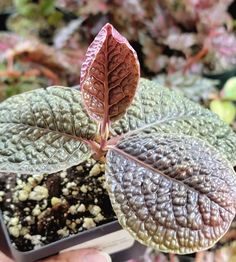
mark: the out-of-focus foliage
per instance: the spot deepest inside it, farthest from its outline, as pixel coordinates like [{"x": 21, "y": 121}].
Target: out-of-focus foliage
[
  {"x": 221, "y": 46},
  {"x": 26, "y": 80},
  {"x": 39, "y": 18},
  {"x": 204, "y": 91},
  {"x": 195, "y": 87},
  {"x": 205, "y": 14},
  {"x": 169, "y": 35},
  {"x": 176, "y": 34},
  {"x": 223, "y": 103},
  {"x": 224, "y": 109},
  {"x": 229, "y": 91},
  {"x": 5, "y": 5},
  {"x": 27, "y": 63}
]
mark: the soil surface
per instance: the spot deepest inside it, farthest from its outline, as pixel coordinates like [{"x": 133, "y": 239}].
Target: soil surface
[{"x": 45, "y": 208}]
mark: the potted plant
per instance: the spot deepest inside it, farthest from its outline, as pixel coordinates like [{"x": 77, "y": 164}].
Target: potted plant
[{"x": 169, "y": 162}]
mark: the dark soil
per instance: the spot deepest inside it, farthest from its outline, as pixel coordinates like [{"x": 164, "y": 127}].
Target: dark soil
[{"x": 42, "y": 209}]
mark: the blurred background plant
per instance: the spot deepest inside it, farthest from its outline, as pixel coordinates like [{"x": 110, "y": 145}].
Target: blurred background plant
[
  {"x": 39, "y": 18},
  {"x": 169, "y": 35},
  {"x": 187, "y": 45},
  {"x": 223, "y": 103}
]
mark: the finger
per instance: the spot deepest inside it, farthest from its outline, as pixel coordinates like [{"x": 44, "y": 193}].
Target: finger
[
  {"x": 4, "y": 258},
  {"x": 83, "y": 255}
]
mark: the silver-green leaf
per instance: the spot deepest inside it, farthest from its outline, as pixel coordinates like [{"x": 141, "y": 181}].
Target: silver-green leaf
[
  {"x": 172, "y": 192},
  {"x": 160, "y": 110},
  {"x": 42, "y": 131}
]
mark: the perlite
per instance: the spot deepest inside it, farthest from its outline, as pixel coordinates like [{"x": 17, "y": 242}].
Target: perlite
[{"x": 39, "y": 193}]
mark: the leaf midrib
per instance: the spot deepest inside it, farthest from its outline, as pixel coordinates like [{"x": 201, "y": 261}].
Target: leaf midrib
[
  {"x": 164, "y": 120},
  {"x": 77, "y": 138},
  {"x": 145, "y": 165}
]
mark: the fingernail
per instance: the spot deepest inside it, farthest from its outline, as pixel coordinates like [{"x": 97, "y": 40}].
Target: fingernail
[
  {"x": 106, "y": 256},
  {"x": 97, "y": 256}
]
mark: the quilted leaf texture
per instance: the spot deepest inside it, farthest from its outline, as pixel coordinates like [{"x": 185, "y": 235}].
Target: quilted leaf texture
[
  {"x": 157, "y": 109},
  {"x": 109, "y": 75},
  {"x": 171, "y": 192},
  {"x": 42, "y": 131}
]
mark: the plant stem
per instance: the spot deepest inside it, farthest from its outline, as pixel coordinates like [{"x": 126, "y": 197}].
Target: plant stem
[
  {"x": 104, "y": 133},
  {"x": 194, "y": 59}
]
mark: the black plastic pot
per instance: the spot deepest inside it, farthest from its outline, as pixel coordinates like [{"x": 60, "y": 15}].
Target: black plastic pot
[
  {"x": 110, "y": 238},
  {"x": 222, "y": 77},
  {"x": 3, "y": 20}
]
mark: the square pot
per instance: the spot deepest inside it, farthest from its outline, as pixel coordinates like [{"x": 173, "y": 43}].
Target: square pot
[{"x": 110, "y": 238}]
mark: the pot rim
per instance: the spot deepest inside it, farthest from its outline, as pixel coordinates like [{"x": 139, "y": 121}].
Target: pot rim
[{"x": 54, "y": 247}]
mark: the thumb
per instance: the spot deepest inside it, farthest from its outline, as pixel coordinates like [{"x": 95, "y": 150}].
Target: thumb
[
  {"x": 83, "y": 255},
  {"x": 3, "y": 258}
]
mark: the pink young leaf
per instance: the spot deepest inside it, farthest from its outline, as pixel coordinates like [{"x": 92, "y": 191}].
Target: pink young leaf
[{"x": 109, "y": 76}]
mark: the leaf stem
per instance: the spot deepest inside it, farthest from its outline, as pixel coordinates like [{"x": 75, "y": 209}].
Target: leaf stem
[
  {"x": 194, "y": 59},
  {"x": 104, "y": 132},
  {"x": 96, "y": 148}
]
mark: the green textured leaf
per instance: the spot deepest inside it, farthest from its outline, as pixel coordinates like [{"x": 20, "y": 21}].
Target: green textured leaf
[
  {"x": 160, "y": 110},
  {"x": 224, "y": 109},
  {"x": 42, "y": 131},
  {"x": 229, "y": 90},
  {"x": 194, "y": 87},
  {"x": 172, "y": 192}
]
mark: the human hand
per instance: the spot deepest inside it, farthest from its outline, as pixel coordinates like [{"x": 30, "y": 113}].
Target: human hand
[{"x": 83, "y": 255}]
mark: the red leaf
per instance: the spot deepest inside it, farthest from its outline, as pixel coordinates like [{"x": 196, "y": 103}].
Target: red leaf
[{"x": 109, "y": 75}]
